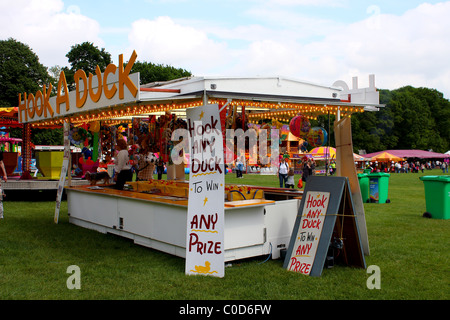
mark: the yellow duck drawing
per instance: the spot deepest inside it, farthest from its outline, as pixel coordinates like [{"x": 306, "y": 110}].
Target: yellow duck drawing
[{"x": 203, "y": 269}]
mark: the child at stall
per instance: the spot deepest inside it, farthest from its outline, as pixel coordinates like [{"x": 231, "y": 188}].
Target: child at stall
[
  {"x": 122, "y": 165},
  {"x": 290, "y": 179}
]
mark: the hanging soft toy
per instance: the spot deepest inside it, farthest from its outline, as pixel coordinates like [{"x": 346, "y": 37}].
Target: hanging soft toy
[
  {"x": 241, "y": 121},
  {"x": 79, "y": 137},
  {"x": 106, "y": 143},
  {"x": 75, "y": 138},
  {"x": 133, "y": 152},
  {"x": 87, "y": 153},
  {"x": 304, "y": 146},
  {"x": 119, "y": 132},
  {"x": 277, "y": 124}
]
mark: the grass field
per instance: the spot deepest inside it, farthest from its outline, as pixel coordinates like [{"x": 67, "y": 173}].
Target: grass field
[{"x": 411, "y": 252}]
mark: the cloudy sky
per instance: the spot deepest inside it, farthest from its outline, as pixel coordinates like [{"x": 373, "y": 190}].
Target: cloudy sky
[{"x": 402, "y": 42}]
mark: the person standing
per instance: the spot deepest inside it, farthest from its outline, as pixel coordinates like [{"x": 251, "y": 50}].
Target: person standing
[
  {"x": 397, "y": 167},
  {"x": 333, "y": 167},
  {"x": 306, "y": 170},
  {"x": 239, "y": 168},
  {"x": 5, "y": 178},
  {"x": 313, "y": 167},
  {"x": 290, "y": 179},
  {"x": 122, "y": 165},
  {"x": 283, "y": 170},
  {"x": 160, "y": 167}
]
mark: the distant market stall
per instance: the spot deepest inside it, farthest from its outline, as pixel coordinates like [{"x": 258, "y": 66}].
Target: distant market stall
[
  {"x": 259, "y": 221},
  {"x": 419, "y": 154}
]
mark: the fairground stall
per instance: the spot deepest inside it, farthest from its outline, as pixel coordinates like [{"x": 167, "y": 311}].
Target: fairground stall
[
  {"x": 156, "y": 213},
  {"x": 47, "y": 160}
]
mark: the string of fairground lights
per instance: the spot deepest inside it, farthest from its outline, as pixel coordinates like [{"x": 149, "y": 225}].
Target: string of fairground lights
[{"x": 128, "y": 111}]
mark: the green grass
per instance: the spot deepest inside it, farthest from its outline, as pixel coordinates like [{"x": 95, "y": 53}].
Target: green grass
[{"x": 411, "y": 251}]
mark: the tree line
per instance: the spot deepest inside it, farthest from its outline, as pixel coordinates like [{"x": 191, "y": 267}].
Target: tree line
[
  {"x": 412, "y": 118},
  {"x": 21, "y": 71}
]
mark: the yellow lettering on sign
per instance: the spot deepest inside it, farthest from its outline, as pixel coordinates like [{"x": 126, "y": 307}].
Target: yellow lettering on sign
[
  {"x": 37, "y": 109},
  {"x": 23, "y": 107},
  {"x": 80, "y": 75},
  {"x": 47, "y": 105},
  {"x": 62, "y": 98},
  {"x": 124, "y": 78},
  {"x": 95, "y": 96},
  {"x": 30, "y": 101},
  {"x": 109, "y": 93},
  {"x": 39, "y": 104}
]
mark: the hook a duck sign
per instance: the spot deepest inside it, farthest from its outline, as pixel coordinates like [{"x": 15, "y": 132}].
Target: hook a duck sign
[
  {"x": 112, "y": 87},
  {"x": 325, "y": 229},
  {"x": 205, "y": 221}
]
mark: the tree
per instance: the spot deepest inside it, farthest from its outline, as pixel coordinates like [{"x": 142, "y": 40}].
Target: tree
[
  {"x": 20, "y": 71},
  {"x": 86, "y": 57},
  {"x": 365, "y": 134},
  {"x": 150, "y": 72},
  {"x": 51, "y": 137},
  {"x": 413, "y": 118}
]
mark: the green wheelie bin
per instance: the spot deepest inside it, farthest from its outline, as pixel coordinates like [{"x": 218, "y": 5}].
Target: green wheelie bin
[
  {"x": 364, "y": 186},
  {"x": 378, "y": 187},
  {"x": 437, "y": 196}
]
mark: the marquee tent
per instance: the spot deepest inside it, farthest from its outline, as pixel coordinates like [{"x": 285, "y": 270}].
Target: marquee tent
[
  {"x": 386, "y": 156},
  {"x": 323, "y": 152},
  {"x": 421, "y": 154}
]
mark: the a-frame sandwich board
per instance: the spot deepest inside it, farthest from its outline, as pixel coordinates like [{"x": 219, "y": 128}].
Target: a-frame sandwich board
[{"x": 325, "y": 216}]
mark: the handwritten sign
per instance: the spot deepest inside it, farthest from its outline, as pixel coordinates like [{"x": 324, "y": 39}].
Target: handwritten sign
[
  {"x": 205, "y": 221},
  {"x": 309, "y": 232},
  {"x": 326, "y": 214},
  {"x": 64, "y": 169}
]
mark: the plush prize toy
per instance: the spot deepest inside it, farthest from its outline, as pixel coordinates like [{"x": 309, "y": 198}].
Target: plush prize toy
[{"x": 146, "y": 164}]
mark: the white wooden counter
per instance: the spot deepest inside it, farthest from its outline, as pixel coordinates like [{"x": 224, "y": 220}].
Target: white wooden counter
[{"x": 252, "y": 227}]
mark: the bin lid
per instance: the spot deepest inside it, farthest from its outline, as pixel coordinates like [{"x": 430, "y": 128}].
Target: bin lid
[
  {"x": 379, "y": 174},
  {"x": 436, "y": 178},
  {"x": 362, "y": 175}
]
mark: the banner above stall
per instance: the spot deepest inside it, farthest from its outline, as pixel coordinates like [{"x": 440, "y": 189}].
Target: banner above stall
[
  {"x": 116, "y": 93},
  {"x": 92, "y": 92}
]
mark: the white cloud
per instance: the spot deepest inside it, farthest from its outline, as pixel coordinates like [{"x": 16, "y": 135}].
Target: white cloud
[
  {"x": 47, "y": 27},
  {"x": 318, "y": 3},
  {"x": 411, "y": 49},
  {"x": 278, "y": 38},
  {"x": 166, "y": 42},
  {"x": 294, "y": 23}
]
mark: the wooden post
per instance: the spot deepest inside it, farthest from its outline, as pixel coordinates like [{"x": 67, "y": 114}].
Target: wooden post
[{"x": 345, "y": 167}]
